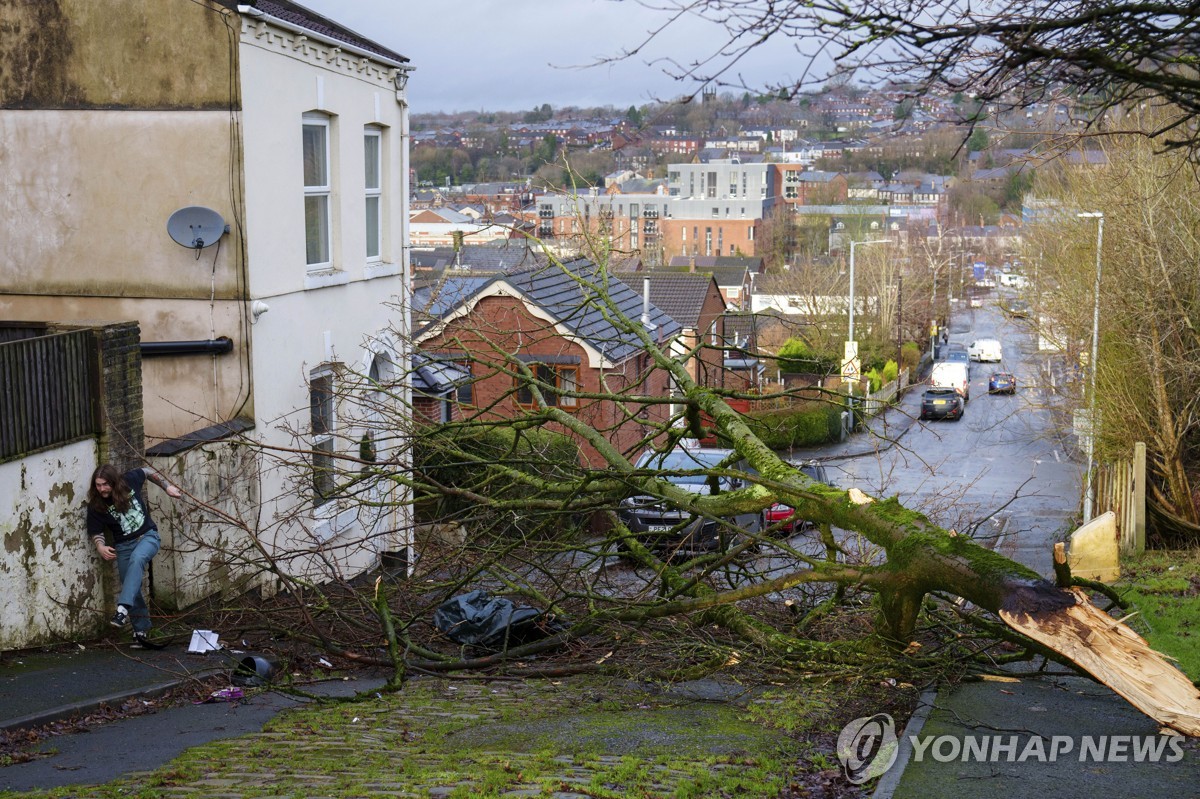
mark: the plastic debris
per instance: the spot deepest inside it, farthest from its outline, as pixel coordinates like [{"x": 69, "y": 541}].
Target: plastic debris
[
  {"x": 230, "y": 694},
  {"x": 479, "y": 619}
]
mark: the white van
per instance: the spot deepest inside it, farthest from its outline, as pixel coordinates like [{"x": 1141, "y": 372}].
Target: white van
[
  {"x": 1013, "y": 281},
  {"x": 952, "y": 374},
  {"x": 985, "y": 349}
]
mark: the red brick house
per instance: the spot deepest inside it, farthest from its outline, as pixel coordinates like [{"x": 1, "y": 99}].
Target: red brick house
[{"x": 544, "y": 322}]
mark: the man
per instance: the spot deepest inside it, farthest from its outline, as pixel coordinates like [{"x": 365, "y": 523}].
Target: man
[{"x": 116, "y": 505}]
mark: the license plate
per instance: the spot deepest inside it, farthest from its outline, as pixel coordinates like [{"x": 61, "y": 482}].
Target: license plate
[
  {"x": 658, "y": 528},
  {"x": 939, "y": 402}
]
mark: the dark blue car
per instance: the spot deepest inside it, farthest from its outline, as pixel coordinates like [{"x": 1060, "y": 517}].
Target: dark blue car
[{"x": 1002, "y": 383}]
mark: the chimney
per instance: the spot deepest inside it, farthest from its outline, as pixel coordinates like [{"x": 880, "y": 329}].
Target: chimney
[
  {"x": 692, "y": 262},
  {"x": 646, "y": 323}
]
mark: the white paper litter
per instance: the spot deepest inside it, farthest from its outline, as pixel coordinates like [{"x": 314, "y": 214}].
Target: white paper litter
[{"x": 204, "y": 641}]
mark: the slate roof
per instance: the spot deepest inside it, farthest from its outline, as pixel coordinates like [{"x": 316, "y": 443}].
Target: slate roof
[
  {"x": 729, "y": 271},
  {"x": 297, "y": 14},
  {"x": 432, "y": 375},
  {"x": 813, "y": 176},
  {"x": 555, "y": 291},
  {"x": 680, "y": 295},
  {"x": 444, "y": 215},
  {"x": 480, "y": 260},
  {"x": 503, "y": 260}
]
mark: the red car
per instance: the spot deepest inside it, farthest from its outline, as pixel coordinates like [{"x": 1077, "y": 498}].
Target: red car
[{"x": 785, "y": 515}]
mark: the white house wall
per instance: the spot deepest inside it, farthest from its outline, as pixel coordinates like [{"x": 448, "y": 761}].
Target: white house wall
[{"x": 340, "y": 315}]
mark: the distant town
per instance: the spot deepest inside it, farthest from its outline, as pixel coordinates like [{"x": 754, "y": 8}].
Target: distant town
[{"x": 766, "y": 176}]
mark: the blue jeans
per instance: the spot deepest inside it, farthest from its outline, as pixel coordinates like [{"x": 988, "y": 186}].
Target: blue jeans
[{"x": 132, "y": 559}]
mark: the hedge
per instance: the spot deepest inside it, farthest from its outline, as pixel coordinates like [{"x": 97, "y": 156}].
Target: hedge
[
  {"x": 534, "y": 451},
  {"x": 819, "y": 423}
]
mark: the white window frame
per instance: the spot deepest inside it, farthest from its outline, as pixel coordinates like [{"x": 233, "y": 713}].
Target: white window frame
[
  {"x": 322, "y": 193},
  {"x": 323, "y": 424},
  {"x": 373, "y": 136}
]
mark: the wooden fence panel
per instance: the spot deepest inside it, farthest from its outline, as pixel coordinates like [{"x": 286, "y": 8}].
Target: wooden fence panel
[
  {"x": 48, "y": 392},
  {"x": 1120, "y": 487}
]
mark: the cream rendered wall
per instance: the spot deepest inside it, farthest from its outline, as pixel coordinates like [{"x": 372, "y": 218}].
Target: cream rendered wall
[
  {"x": 54, "y": 582},
  {"x": 345, "y": 315},
  {"x": 83, "y": 219}
]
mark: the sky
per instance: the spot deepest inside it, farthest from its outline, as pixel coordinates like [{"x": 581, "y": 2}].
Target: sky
[{"x": 515, "y": 55}]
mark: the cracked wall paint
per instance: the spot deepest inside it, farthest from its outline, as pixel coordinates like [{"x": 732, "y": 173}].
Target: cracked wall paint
[{"x": 52, "y": 580}]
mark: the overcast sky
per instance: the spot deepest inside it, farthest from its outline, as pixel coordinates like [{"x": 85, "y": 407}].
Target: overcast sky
[{"x": 513, "y": 55}]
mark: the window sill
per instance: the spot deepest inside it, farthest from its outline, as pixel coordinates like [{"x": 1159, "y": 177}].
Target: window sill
[
  {"x": 380, "y": 269},
  {"x": 325, "y": 278},
  {"x": 330, "y": 522}
]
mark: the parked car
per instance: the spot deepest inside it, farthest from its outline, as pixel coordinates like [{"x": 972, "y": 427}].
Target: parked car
[
  {"x": 1002, "y": 383},
  {"x": 785, "y": 515},
  {"x": 1018, "y": 308},
  {"x": 958, "y": 354},
  {"x": 976, "y": 302},
  {"x": 953, "y": 375},
  {"x": 942, "y": 403},
  {"x": 670, "y": 528},
  {"x": 985, "y": 349}
]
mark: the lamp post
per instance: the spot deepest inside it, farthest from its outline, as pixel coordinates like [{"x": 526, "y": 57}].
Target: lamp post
[
  {"x": 1090, "y": 492},
  {"x": 854, "y": 244}
]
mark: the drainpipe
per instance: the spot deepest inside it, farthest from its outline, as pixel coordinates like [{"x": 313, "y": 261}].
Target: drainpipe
[{"x": 217, "y": 346}]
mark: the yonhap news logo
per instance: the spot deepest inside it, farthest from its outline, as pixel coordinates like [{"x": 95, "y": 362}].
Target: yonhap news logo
[
  {"x": 867, "y": 747},
  {"x": 1048, "y": 749}
]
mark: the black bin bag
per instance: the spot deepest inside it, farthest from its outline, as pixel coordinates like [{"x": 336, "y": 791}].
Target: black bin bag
[{"x": 479, "y": 619}]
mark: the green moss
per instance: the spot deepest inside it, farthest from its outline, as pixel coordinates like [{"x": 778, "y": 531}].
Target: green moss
[{"x": 461, "y": 739}]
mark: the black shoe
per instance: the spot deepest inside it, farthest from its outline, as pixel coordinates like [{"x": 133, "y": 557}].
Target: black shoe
[{"x": 120, "y": 618}]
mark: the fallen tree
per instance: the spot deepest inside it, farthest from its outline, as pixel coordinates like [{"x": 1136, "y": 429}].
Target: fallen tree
[{"x": 725, "y": 610}]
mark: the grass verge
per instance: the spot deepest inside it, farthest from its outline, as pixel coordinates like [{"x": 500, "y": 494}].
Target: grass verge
[{"x": 1163, "y": 586}]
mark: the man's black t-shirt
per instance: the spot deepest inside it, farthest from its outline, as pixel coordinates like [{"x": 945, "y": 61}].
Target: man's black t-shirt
[{"x": 130, "y": 524}]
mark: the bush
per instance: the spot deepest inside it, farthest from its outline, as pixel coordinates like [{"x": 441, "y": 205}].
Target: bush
[
  {"x": 797, "y": 356},
  {"x": 891, "y": 370},
  {"x": 910, "y": 355},
  {"x": 812, "y": 425},
  {"x": 874, "y": 380},
  {"x": 438, "y": 458}
]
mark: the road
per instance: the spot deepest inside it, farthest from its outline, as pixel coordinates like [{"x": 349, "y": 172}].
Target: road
[{"x": 1003, "y": 474}]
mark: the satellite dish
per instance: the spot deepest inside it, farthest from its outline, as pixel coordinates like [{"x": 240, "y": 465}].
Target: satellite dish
[{"x": 196, "y": 227}]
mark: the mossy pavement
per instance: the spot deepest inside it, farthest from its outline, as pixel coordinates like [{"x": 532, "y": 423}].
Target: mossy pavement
[{"x": 474, "y": 738}]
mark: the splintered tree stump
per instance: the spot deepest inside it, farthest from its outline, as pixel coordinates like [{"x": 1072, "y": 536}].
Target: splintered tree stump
[{"x": 1115, "y": 655}]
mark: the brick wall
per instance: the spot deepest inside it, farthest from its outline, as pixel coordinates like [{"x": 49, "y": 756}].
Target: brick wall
[
  {"x": 122, "y": 438},
  {"x": 499, "y": 325}
]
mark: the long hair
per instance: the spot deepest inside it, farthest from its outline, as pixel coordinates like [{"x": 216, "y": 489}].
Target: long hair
[{"x": 120, "y": 489}]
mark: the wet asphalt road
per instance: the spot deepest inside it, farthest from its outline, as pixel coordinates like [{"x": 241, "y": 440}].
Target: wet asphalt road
[{"x": 1003, "y": 473}]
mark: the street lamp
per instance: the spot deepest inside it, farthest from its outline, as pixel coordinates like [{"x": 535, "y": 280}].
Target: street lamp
[
  {"x": 1090, "y": 493},
  {"x": 854, "y": 244}
]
